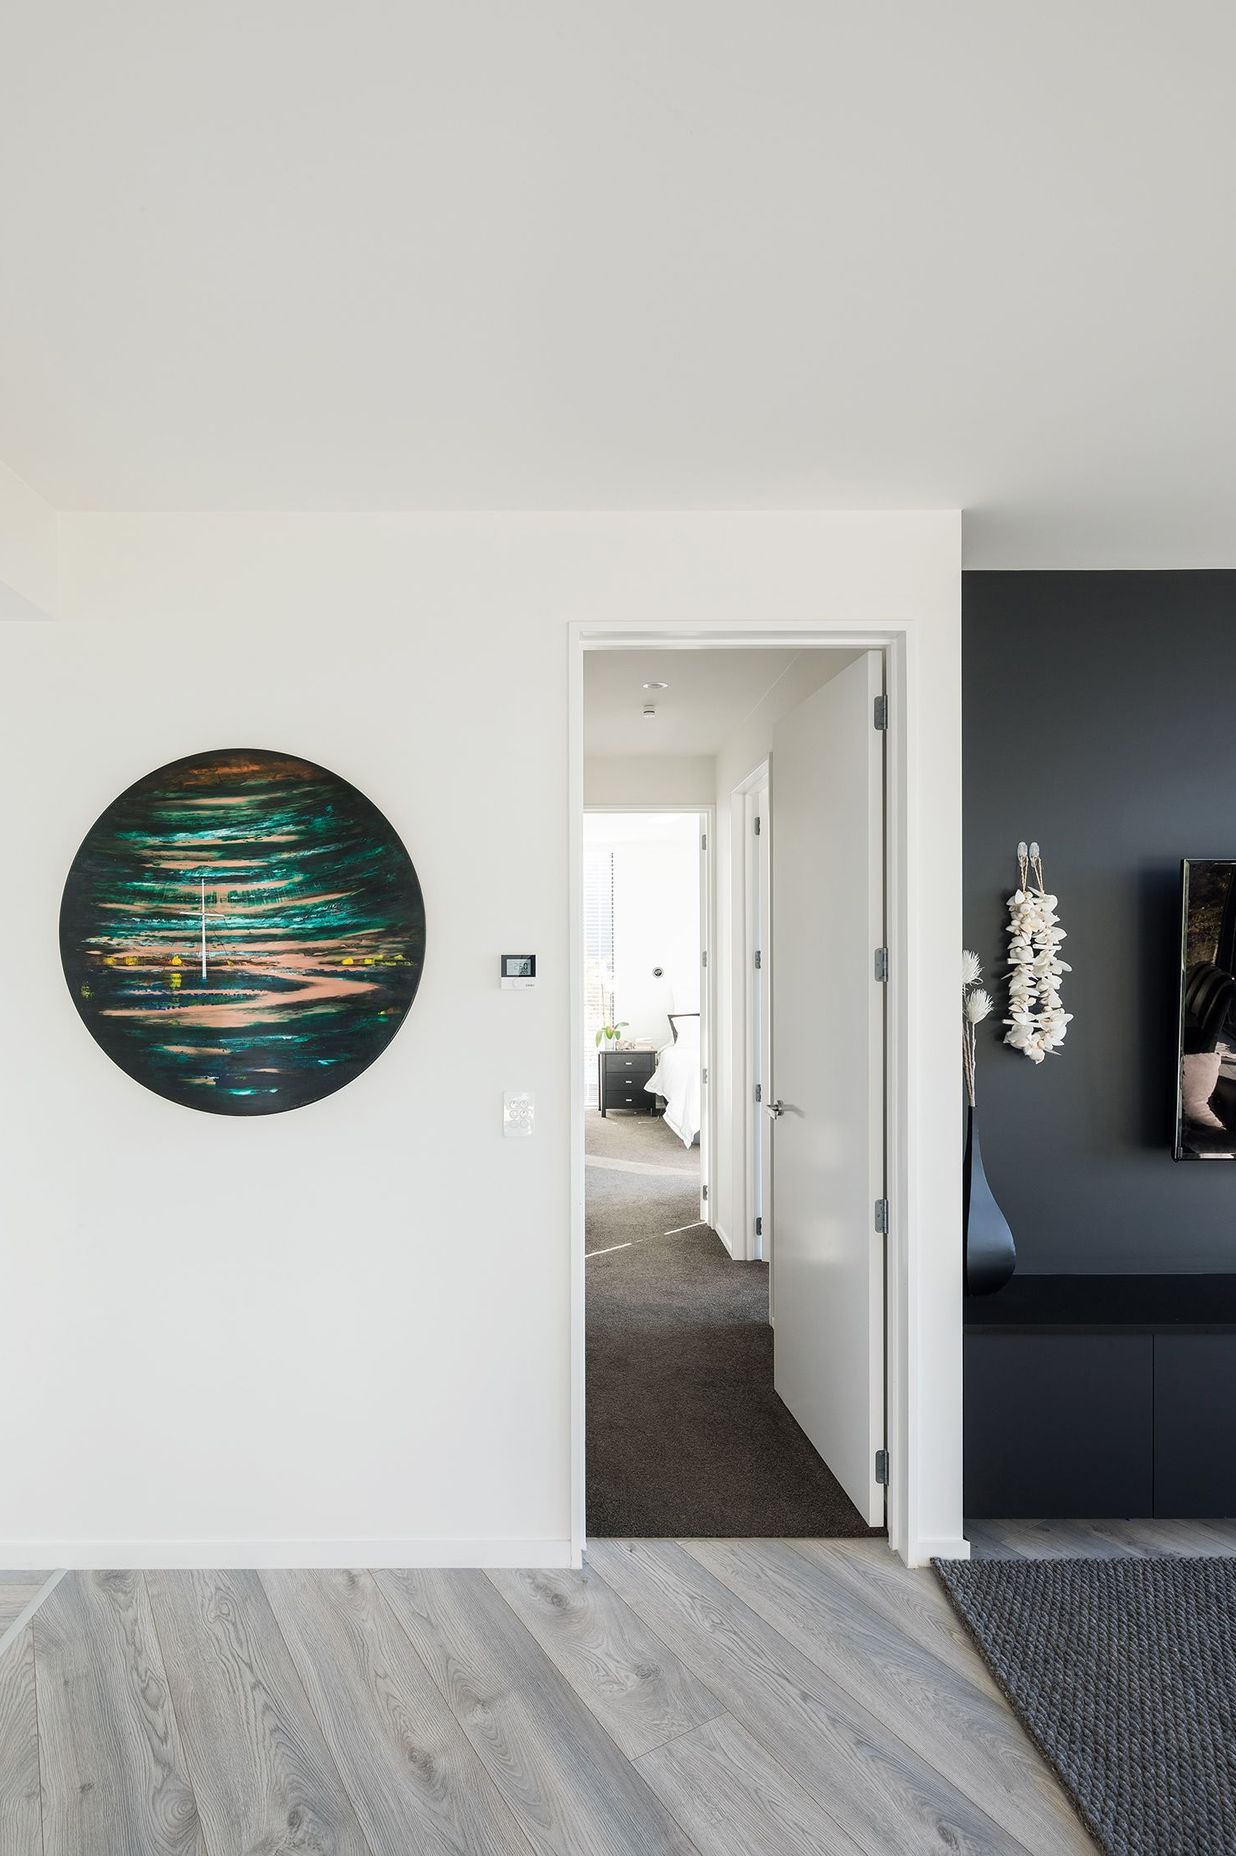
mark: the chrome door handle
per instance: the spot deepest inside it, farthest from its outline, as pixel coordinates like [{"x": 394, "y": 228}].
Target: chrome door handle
[{"x": 775, "y": 1109}]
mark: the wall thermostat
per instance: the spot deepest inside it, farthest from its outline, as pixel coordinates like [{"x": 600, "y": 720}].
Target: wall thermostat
[{"x": 518, "y": 971}]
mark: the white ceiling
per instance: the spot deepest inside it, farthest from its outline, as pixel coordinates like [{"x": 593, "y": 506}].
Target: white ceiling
[
  {"x": 664, "y": 254},
  {"x": 710, "y": 694}
]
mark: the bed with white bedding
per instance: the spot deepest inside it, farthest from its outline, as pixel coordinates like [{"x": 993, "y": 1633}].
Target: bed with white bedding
[{"x": 677, "y": 1077}]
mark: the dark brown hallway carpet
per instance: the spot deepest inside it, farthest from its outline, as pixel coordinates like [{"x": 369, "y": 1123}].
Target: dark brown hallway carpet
[
  {"x": 685, "y": 1435},
  {"x": 620, "y": 1135},
  {"x": 641, "y": 1180},
  {"x": 624, "y": 1208}
]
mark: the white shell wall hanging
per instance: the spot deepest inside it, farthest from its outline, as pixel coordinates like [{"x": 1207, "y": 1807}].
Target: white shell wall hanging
[{"x": 1037, "y": 1021}]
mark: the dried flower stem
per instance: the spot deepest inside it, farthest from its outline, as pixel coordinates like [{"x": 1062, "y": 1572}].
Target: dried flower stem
[{"x": 976, "y": 1003}]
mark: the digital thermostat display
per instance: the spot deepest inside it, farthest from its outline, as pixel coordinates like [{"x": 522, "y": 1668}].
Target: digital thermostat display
[{"x": 518, "y": 970}]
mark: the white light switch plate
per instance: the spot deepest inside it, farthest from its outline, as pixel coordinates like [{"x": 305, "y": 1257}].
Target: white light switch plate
[{"x": 518, "y": 1108}]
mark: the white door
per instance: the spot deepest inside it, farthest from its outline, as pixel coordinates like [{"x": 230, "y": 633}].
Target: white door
[
  {"x": 757, "y": 967},
  {"x": 827, "y": 1083}
]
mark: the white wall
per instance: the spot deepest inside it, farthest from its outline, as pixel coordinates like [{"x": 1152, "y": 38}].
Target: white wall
[
  {"x": 648, "y": 780},
  {"x": 28, "y": 550},
  {"x": 656, "y": 916},
  {"x": 344, "y": 1334}
]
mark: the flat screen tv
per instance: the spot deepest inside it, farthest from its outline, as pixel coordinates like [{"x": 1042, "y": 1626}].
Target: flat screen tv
[{"x": 1206, "y": 1045}]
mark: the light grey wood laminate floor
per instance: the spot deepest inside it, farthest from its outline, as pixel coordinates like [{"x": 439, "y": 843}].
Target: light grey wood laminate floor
[
  {"x": 691, "y": 1698},
  {"x": 17, "y": 1590}
]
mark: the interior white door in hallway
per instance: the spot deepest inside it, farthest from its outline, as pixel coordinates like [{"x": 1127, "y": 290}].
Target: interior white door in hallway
[{"x": 827, "y": 1085}]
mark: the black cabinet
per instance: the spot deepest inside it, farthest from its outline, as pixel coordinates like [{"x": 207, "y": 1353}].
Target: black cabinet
[
  {"x": 1195, "y": 1424},
  {"x": 621, "y": 1075},
  {"x": 1092, "y": 1396},
  {"x": 1058, "y": 1425}
]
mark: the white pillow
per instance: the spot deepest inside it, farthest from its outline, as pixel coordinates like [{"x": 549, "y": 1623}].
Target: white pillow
[
  {"x": 688, "y": 1030},
  {"x": 1199, "y": 1073}
]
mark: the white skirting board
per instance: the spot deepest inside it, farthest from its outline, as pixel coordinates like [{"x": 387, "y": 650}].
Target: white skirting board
[
  {"x": 724, "y": 1236},
  {"x": 177, "y": 1555},
  {"x": 928, "y": 1550}
]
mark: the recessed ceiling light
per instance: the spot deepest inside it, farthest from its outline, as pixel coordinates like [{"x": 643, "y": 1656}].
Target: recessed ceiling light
[{"x": 656, "y": 686}]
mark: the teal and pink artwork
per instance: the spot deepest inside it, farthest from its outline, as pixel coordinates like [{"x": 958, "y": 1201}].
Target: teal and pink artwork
[{"x": 242, "y": 932}]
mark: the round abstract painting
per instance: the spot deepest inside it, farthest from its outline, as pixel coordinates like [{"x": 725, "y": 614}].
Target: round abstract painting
[{"x": 242, "y": 932}]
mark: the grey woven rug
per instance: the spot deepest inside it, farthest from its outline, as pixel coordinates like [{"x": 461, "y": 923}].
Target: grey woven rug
[{"x": 1124, "y": 1673}]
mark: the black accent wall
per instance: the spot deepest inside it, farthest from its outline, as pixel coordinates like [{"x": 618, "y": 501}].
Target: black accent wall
[{"x": 1099, "y": 718}]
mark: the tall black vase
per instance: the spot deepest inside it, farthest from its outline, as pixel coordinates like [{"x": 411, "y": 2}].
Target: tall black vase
[{"x": 991, "y": 1255}]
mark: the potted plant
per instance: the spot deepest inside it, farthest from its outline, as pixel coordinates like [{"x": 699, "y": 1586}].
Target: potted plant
[{"x": 607, "y": 1036}]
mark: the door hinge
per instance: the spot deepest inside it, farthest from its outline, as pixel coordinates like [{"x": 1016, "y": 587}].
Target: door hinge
[
  {"x": 881, "y": 963},
  {"x": 704, "y": 1193},
  {"x": 881, "y": 1216},
  {"x": 759, "y": 961},
  {"x": 880, "y": 715},
  {"x": 704, "y": 1078},
  {"x": 704, "y": 958},
  {"x": 703, "y": 841},
  {"x": 759, "y": 1227},
  {"x": 759, "y": 1092},
  {"x": 881, "y": 1468},
  {"x": 757, "y": 824}
]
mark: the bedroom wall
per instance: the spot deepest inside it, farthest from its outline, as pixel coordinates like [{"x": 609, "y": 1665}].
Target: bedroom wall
[
  {"x": 657, "y": 924},
  {"x": 656, "y": 916},
  {"x": 1099, "y": 720},
  {"x": 343, "y": 1335}
]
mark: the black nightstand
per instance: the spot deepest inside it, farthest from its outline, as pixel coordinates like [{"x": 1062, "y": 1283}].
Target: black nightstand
[{"x": 621, "y": 1075}]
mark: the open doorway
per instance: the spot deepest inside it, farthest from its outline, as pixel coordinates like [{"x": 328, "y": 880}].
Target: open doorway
[
  {"x": 646, "y": 876},
  {"x": 700, "y": 1419},
  {"x": 646, "y": 1019}
]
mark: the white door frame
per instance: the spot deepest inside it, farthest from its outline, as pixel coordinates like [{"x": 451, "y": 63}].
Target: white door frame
[
  {"x": 924, "y": 1303},
  {"x": 750, "y": 1047},
  {"x": 708, "y": 1119},
  {"x": 706, "y": 816}
]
